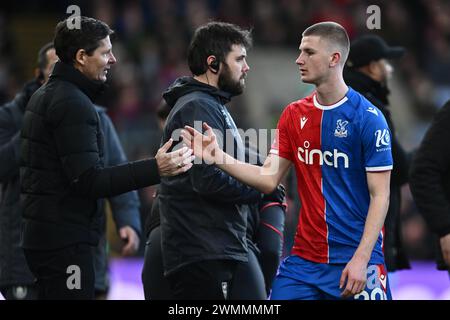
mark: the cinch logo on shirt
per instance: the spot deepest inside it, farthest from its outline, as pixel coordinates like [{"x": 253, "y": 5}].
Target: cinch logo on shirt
[{"x": 329, "y": 158}]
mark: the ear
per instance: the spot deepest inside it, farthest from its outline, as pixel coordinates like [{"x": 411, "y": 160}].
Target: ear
[
  {"x": 373, "y": 68},
  {"x": 37, "y": 72},
  {"x": 335, "y": 59},
  {"x": 210, "y": 59},
  {"x": 213, "y": 64},
  {"x": 80, "y": 57}
]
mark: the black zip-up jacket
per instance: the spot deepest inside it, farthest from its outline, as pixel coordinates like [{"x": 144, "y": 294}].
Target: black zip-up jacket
[
  {"x": 394, "y": 252},
  {"x": 430, "y": 177},
  {"x": 203, "y": 211},
  {"x": 62, "y": 174},
  {"x": 13, "y": 266}
]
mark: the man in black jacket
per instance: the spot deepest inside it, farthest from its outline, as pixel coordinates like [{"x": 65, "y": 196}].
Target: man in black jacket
[
  {"x": 16, "y": 280},
  {"x": 204, "y": 212},
  {"x": 62, "y": 174},
  {"x": 430, "y": 182},
  {"x": 367, "y": 71}
]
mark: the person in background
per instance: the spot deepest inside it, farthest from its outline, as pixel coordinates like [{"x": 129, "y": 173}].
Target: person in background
[
  {"x": 430, "y": 183},
  {"x": 16, "y": 279},
  {"x": 367, "y": 71}
]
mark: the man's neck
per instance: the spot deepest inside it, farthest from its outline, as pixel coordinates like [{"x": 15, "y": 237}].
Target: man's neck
[
  {"x": 210, "y": 79},
  {"x": 331, "y": 91}
]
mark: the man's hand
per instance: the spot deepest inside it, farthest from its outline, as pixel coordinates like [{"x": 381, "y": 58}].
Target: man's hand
[
  {"x": 175, "y": 162},
  {"x": 131, "y": 240},
  {"x": 354, "y": 277},
  {"x": 204, "y": 146},
  {"x": 277, "y": 195},
  {"x": 445, "y": 247}
]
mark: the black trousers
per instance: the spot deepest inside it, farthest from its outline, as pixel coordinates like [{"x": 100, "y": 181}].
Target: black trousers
[
  {"x": 63, "y": 274},
  {"x": 203, "y": 280},
  {"x": 248, "y": 279},
  {"x": 156, "y": 287},
  {"x": 248, "y": 282}
]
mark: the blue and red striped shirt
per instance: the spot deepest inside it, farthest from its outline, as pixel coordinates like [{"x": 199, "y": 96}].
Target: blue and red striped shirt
[{"x": 332, "y": 148}]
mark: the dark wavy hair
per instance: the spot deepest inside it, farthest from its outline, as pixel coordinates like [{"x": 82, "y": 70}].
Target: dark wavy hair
[
  {"x": 215, "y": 38},
  {"x": 67, "y": 41}
]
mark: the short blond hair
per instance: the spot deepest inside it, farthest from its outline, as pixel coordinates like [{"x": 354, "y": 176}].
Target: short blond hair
[{"x": 333, "y": 33}]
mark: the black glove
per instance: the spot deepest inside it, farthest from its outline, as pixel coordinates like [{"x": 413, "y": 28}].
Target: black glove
[{"x": 278, "y": 195}]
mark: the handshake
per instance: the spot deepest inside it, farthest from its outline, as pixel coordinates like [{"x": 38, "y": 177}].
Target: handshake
[{"x": 175, "y": 162}]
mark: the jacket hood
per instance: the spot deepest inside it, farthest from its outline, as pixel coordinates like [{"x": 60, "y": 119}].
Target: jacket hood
[
  {"x": 363, "y": 83},
  {"x": 184, "y": 85}
]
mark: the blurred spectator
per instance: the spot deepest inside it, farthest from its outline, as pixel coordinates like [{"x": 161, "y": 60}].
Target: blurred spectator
[
  {"x": 430, "y": 183},
  {"x": 367, "y": 71}
]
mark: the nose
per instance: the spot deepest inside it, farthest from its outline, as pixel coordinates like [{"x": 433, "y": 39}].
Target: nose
[
  {"x": 112, "y": 59},
  {"x": 299, "y": 60},
  {"x": 246, "y": 67}
]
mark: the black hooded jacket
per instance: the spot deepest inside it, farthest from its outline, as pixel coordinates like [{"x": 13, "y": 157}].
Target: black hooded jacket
[
  {"x": 203, "y": 211},
  {"x": 13, "y": 266},
  {"x": 430, "y": 178},
  {"x": 395, "y": 255},
  {"x": 62, "y": 173}
]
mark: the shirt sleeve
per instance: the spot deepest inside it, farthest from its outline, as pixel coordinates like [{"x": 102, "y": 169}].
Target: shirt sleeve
[
  {"x": 376, "y": 142},
  {"x": 281, "y": 145}
]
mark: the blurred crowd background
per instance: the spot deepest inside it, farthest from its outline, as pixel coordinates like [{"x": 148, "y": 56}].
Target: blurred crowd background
[{"x": 151, "y": 42}]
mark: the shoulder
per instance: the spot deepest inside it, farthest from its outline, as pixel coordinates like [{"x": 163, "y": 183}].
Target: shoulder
[
  {"x": 102, "y": 114},
  {"x": 72, "y": 109},
  {"x": 439, "y": 128},
  {"x": 366, "y": 110},
  {"x": 444, "y": 112},
  {"x": 199, "y": 105},
  {"x": 6, "y": 118},
  {"x": 5, "y": 110},
  {"x": 299, "y": 106},
  {"x": 62, "y": 91}
]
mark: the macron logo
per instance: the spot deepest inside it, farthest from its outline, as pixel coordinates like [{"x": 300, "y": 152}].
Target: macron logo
[
  {"x": 372, "y": 110},
  {"x": 303, "y": 122}
]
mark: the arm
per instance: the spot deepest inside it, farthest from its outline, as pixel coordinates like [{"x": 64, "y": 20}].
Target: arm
[
  {"x": 124, "y": 207},
  {"x": 9, "y": 146},
  {"x": 264, "y": 179},
  {"x": 428, "y": 176},
  {"x": 9, "y": 154},
  {"x": 208, "y": 180},
  {"x": 429, "y": 173},
  {"x": 216, "y": 184},
  {"x": 355, "y": 272},
  {"x": 402, "y": 162},
  {"x": 77, "y": 143},
  {"x": 98, "y": 182}
]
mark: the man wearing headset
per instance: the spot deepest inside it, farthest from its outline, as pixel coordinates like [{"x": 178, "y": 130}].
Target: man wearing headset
[{"x": 204, "y": 212}]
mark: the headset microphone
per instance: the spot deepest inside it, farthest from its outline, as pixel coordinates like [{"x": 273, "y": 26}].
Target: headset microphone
[{"x": 214, "y": 66}]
